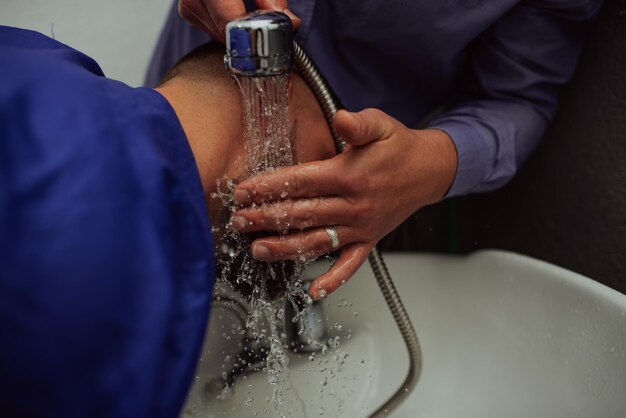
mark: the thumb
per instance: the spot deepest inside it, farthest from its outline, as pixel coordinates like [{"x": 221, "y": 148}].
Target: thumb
[
  {"x": 361, "y": 128},
  {"x": 279, "y": 6}
]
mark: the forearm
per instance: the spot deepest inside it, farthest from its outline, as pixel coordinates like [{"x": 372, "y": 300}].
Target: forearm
[
  {"x": 439, "y": 161},
  {"x": 492, "y": 140},
  {"x": 509, "y": 89}
]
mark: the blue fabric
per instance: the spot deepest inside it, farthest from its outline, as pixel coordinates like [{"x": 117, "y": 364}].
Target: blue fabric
[
  {"x": 106, "y": 259},
  {"x": 496, "y": 65},
  {"x": 176, "y": 40}
]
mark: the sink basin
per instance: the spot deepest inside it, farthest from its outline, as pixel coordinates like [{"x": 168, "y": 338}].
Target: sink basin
[{"x": 502, "y": 335}]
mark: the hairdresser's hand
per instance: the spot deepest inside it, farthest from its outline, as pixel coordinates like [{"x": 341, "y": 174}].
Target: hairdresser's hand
[
  {"x": 385, "y": 174},
  {"x": 212, "y": 15}
]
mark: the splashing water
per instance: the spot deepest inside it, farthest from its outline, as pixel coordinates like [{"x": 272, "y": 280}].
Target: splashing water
[
  {"x": 264, "y": 289},
  {"x": 268, "y": 145}
]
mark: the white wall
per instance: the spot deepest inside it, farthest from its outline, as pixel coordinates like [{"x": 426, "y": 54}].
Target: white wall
[{"x": 119, "y": 34}]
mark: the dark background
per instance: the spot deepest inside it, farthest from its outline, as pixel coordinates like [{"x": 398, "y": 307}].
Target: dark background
[{"x": 567, "y": 205}]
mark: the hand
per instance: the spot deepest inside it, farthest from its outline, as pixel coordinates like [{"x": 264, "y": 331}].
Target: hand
[
  {"x": 386, "y": 172},
  {"x": 212, "y": 15}
]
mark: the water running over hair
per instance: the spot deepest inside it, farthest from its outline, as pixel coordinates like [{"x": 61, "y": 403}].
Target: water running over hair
[{"x": 265, "y": 285}]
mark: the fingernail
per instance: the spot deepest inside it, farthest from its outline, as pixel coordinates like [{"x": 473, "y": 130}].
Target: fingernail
[
  {"x": 260, "y": 252},
  {"x": 239, "y": 223},
  {"x": 293, "y": 17},
  {"x": 352, "y": 116},
  {"x": 315, "y": 291},
  {"x": 340, "y": 112},
  {"x": 320, "y": 295},
  {"x": 241, "y": 197}
]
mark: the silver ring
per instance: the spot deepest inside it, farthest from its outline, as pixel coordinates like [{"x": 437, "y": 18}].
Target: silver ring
[{"x": 334, "y": 238}]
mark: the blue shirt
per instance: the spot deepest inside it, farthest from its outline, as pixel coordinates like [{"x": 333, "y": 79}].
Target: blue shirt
[
  {"x": 495, "y": 66},
  {"x": 106, "y": 259}
]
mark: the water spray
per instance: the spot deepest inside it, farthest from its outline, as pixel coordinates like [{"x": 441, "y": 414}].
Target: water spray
[{"x": 261, "y": 45}]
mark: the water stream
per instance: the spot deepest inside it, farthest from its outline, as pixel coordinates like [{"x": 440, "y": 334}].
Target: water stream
[
  {"x": 264, "y": 287},
  {"x": 268, "y": 146}
]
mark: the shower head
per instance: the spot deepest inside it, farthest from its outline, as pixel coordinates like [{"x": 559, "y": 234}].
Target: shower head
[{"x": 259, "y": 44}]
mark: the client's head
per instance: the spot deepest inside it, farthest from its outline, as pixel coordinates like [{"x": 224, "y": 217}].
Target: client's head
[{"x": 208, "y": 105}]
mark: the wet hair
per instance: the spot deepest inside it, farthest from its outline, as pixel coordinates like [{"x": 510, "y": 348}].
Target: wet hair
[{"x": 236, "y": 266}]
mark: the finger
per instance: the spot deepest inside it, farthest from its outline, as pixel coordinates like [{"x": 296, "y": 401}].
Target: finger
[
  {"x": 363, "y": 127},
  {"x": 295, "y": 20},
  {"x": 279, "y": 6},
  {"x": 301, "y": 246},
  {"x": 194, "y": 12},
  {"x": 293, "y": 214},
  {"x": 223, "y": 11},
  {"x": 319, "y": 178},
  {"x": 351, "y": 258}
]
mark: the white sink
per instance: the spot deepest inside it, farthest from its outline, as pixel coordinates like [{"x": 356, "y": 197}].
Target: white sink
[{"x": 502, "y": 336}]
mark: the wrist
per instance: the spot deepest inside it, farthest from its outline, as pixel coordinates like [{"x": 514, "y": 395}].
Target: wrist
[{"x": 440, "y": 159}]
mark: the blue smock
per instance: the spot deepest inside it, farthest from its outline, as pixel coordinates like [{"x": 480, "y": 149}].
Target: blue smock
[{"x": 106, "y": 259}]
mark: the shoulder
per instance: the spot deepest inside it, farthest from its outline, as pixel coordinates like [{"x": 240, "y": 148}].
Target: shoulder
[
  {"x": 26, "y": 48},
  {"x": 67, "y": 127},
  {"x": 46, "y": 84},
  {"x": 55, "y": 99}
]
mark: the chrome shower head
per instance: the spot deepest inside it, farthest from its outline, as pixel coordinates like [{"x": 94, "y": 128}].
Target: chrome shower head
[{"x": 259, "y": 44}]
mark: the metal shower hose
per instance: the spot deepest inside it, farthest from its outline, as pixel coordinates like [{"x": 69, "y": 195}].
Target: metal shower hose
[{"x": 329, "y": 107}]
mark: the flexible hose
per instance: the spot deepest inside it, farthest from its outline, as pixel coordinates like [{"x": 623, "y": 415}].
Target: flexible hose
[{"x": 329, "y": 107}]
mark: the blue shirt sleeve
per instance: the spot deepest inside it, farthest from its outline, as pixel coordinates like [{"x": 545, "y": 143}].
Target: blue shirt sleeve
[
  {"x": 106, "y": 259},
  {"x": 176, "y": 40},
  {"x": 500, "y": 64},
  {"x": 510, "y": 89}
]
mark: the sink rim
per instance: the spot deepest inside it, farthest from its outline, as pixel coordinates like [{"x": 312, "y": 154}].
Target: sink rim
[{"x": 557, "y": 274}]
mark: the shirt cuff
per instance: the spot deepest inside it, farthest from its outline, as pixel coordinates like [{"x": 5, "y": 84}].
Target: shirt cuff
[{"x": 473, "y": 155}]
